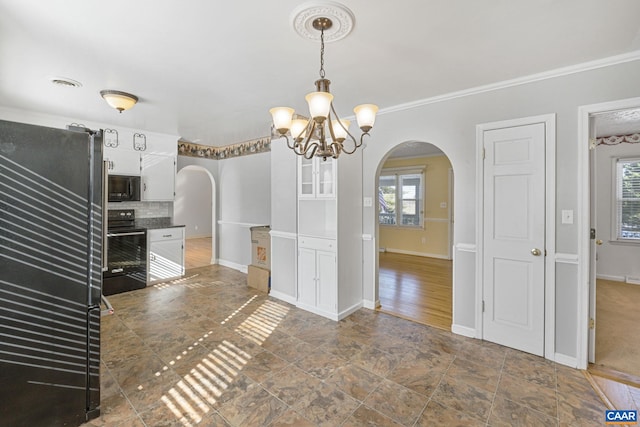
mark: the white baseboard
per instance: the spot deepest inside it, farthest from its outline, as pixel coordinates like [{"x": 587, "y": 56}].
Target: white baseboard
[
  {"x": 563, "y": 359},
  {"x": 465, "y": 331},
  {"x": 609, "y": 277},
  {"x": 422, "y": 254},
  {"x": 371, "y": 305},
  {"x": 316, "y": 310},
  {"x": 283, "y": 297},
  {"x": 235, "y": 266},
  {"x": 349, "y": 311}
]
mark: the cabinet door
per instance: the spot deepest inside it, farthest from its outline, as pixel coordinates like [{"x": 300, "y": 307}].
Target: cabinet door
[
  {"x": 327, "y": 281},
  {"x": 306, "y": 178},
  {"x": 122, "y": 162},
  {"x": 326, "y": 178},
  {"x": 158, "y": 177},
  {"x": 307, "y": 276},
  {"x": 166, "y": 260}
]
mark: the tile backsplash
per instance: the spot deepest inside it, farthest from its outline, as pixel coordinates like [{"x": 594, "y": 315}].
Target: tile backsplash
[{"x": 146, "y": 209}]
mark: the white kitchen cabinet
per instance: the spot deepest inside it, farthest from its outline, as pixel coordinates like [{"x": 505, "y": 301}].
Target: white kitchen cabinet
[
  {"x": 158, "y": 177},
  {"x": 122, "y": 162},
  {"x": 329, "y": 236},
  {"x": 166, "y": 253},
  {"x": 316, "y": 178},
  {"x": 317, "y": 275}
]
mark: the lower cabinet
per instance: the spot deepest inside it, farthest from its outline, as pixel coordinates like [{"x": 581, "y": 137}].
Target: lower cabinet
[
  {"x": 317, "y": 275},
  {"x": 166, "y": 253}
]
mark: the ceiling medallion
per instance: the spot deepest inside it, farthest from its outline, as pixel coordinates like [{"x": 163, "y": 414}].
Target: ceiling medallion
[{"x": 341, "y": 17}]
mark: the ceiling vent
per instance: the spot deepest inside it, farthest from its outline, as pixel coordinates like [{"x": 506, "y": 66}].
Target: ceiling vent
[{"x": 63, "y": 81}]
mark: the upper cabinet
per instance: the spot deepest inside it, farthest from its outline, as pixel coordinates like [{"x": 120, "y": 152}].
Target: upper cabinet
[
  {"x": 122, "y": 162},
  {"x": 158, "y": 177},
  {"x": 316, "y": 178}
]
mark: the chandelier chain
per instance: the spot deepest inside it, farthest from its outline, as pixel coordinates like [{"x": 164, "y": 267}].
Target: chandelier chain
[{"x": 322, "y": 53}]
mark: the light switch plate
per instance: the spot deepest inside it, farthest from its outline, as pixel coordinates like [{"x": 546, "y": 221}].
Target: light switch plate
[
  {"x": 443, "y": 205},
  {"x": 367, "y": 202},
  {"x": 567, "y": 216}
]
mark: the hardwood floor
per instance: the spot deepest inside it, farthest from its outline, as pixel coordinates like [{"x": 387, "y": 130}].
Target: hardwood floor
[
  {"x": 197, "y": 252},
  {"x": 416, "y": 288}
]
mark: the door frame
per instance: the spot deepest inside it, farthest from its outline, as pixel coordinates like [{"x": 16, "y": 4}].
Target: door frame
[
  {"x": 584, "y": 200},
  {"x": 549, "y": 120}
]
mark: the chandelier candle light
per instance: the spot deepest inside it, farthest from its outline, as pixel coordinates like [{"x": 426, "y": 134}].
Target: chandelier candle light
[{"x": 309, "y": 137}]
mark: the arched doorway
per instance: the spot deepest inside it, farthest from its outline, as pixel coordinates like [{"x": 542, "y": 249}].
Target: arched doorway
[
  {"x": 195, "y": 207},
  {"x": 415, "y": 234}
]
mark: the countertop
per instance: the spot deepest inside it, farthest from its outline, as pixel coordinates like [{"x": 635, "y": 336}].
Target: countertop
[{"x": 155, "y": 223}]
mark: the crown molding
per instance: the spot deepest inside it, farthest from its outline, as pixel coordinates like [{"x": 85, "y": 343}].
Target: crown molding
[{"x": 558, "y": 72}]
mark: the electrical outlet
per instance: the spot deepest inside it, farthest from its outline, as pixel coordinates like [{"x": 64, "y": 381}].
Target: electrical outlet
[
  {"x": 443, "y": 205},
  {"x": 424, "y": 240}
]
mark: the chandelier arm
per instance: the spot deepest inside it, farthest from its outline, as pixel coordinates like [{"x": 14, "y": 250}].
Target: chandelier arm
[
  {"x": 289, "y": 144},
  {"x": 342, "y": 126},
  {"x": 306, "y": 145}
]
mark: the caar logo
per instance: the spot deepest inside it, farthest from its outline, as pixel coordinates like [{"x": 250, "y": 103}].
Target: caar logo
[{"x": 621, "y": 417}]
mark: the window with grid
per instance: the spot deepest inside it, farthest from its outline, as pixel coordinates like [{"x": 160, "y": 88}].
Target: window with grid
[
  {"x": 627, "y": 200},
  {"x": 400, "y": 198}
]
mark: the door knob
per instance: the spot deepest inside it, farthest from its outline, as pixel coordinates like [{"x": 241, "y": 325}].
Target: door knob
[
  {"x": 535, "y": 252},
  {"x": 598, "y": 242}
]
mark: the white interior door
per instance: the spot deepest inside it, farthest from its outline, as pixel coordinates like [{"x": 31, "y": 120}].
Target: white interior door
[{"x": 514, "y": 237}]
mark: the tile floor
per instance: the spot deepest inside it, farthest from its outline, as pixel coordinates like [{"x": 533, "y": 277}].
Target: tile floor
[{"x": 207, "y": 350}]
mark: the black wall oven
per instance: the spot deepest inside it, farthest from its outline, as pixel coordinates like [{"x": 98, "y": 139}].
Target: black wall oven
[{"x": 126, "y": 254}]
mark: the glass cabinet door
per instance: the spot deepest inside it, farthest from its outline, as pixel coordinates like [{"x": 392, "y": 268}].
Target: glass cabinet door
[
  {"x": 305, "y": 176},
  {"x": 326, "y": 178}
]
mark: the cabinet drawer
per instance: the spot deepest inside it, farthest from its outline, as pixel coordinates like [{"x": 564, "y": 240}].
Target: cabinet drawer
[
  {"x": 317, "y": 243},
  {"x": 160, "y": 234}
]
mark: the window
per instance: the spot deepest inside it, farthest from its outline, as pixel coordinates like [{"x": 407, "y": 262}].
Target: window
[
  {"x": 400, "y": 198},
  {"x": 627, "y": 200}
]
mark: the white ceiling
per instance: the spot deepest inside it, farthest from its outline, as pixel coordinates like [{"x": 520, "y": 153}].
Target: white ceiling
[{"x": 208, "y": 71}]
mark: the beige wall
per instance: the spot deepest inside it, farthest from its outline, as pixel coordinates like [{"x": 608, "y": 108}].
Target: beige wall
[{"x": 433, "y": 239}]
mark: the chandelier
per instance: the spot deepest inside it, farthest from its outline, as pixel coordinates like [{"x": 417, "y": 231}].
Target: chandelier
[{"x": 324, "y": 134}]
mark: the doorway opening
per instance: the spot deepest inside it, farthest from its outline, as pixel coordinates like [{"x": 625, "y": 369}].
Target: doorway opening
[
  {"x": 415, "y": 234},
  {"x": 195, "y": 207},
  {"x": 614, "y": 178}
]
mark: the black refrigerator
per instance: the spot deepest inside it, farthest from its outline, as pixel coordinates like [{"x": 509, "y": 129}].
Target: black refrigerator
[{"x": 51, "y": 187}]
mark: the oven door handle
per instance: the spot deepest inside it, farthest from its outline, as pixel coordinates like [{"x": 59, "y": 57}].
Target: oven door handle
[{"x": 134, "y": 233}]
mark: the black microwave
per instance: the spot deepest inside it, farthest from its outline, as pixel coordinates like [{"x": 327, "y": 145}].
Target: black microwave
[{"x": 124, "y": 188}]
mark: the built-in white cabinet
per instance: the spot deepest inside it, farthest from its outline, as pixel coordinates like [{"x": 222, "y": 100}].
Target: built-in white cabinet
[
  {"x": 317, "y": 275},
  {"x": 158, "y": 175},
  {"x": 316, "y": 178},
  {"x": 329, "y": 236},
  {"x": 122, "y": 162},
  {"x": 166, "y": 253}
]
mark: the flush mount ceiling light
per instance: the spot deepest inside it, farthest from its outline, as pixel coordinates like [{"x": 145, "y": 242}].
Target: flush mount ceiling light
[
  {"x": 119, "y": 100},
  {"x": 325, "y": 134}
]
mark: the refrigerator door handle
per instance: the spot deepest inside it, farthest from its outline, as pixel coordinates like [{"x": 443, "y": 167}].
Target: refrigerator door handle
[
  {"x": 105, "y": 205},
  {"x": 109, "y": 308}
]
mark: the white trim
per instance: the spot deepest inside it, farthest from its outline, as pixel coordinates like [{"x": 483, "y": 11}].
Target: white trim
[
  {"x": 283, "y": 234},
  {"x": 240, "y": 224},
  {"x": 315, "y": 310},
  {"x": 613, "y": 278},
  {"x": 582, "y": 352},
  {"x": 465, "y": 331},
  {"x": 407, "y": 170},
  {"x": 549, "y": 121},
  {"x": 465, "y": 247},
  {"x": 563, "y": 359},
  {"x": 436, "y": 219},
  {"x": 283, "y": 297},
  {"x": 558, "y": 72},
  {"x": 350, "y": 310},
  {"x": 240, "y": 267},
  {"x": 419, "y": 156},
  {"x": 562, "y": 258},
  {"x": 371, "y": 305},
  {"x": 422, "y": 254}
]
